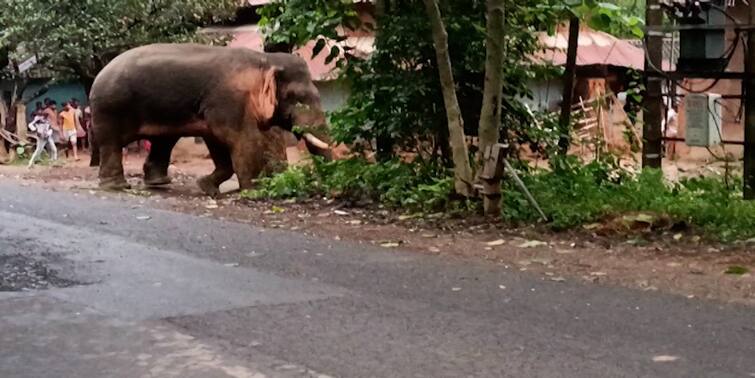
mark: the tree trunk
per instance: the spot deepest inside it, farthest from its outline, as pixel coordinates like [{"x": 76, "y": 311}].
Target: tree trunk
[
  {"x": 490, "y": 115},
  {"x": 21, "y": 129},
  {"x": 3, "y": 119},
  {"x": 462, "y": 169},
  {"x": 379, "y": 9},
  {"x": 564, "y": 140},
  {"x": 383, "y": 142}
]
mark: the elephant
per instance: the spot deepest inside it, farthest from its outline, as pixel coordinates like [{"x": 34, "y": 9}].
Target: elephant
[{"x": 241, "y": 102}]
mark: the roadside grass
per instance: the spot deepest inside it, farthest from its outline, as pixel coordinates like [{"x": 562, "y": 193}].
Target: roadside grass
[
  {"x": 593, "y": 194},
  {"x": 395, "y": 184},
  {"x": 571, "y": 195}
]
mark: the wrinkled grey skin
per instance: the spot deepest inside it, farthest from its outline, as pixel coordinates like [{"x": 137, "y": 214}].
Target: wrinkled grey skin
[{"x": 164, "y": 92}]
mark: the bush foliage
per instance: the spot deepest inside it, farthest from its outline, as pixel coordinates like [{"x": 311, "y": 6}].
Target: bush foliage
[
  {"x": 571, "y": 194},
  {"x": 413, "y": 187}
]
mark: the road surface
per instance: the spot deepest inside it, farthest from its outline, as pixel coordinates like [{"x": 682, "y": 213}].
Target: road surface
[{"x": 126, "y": 291}]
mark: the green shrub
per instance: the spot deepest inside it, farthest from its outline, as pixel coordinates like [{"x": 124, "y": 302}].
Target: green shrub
[
  {"x": 396, "y": 184},
  {"x": 571, "y": 194},
  {"x": 575, "y": 196},
  {"x": 294, "y": 182}
]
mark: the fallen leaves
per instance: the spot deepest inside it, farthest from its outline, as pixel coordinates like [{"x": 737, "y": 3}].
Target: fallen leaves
[
  {"x": 496, "y": 243},
  {"x": 532, "y": 244},
  {"x": 390, "y": 244},
  {"x": 665, "y": 358}
]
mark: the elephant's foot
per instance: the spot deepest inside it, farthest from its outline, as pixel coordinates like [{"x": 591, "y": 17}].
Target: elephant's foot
[
  {"x": 156, "y": 174},
  {"x": 208, "y": 185},
  {"x": 116, "y": 185},
  {"x": 157, "y": 181}
]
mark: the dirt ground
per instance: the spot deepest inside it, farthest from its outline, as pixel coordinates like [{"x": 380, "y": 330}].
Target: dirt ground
[{"x": 678, "y": 262}]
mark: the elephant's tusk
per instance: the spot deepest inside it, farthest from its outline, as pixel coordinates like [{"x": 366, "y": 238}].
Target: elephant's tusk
[{"x": 313, "y": 140}]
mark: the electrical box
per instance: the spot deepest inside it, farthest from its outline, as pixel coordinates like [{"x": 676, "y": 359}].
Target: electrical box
[
  {"x": 703, "y": 119},
  {"x": 701, "y": 49}
]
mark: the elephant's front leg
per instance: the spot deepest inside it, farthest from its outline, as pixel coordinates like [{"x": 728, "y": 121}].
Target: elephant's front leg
[
  {"x": 248, "y": 161},
  {"x": 158, "y": 160},
  {"x": 221, "y": 156},
  {"x": 111, "y": 168}
]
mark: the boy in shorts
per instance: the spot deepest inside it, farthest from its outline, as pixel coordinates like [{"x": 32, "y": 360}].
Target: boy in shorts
[{"x": 68, "y": 126}]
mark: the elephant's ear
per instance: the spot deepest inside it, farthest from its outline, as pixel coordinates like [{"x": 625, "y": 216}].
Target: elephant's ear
[{"x": 264, "y": 97}]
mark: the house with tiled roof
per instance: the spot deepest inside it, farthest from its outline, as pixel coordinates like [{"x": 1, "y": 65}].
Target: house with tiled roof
[{"x": 333, "y": 91}]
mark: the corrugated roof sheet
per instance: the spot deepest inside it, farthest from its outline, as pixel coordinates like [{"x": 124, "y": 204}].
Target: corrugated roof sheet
[
  {"x": 250, "y": 37},
  {"x": 595, "y": 48}
]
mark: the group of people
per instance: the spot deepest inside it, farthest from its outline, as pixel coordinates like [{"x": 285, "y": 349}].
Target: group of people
[{"x": 69, "y": 127}]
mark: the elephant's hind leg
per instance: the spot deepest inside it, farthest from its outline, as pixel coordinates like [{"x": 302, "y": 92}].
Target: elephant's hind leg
[
  {"x": 158, "y": 160},
  {"x": 221, "y": 156}
]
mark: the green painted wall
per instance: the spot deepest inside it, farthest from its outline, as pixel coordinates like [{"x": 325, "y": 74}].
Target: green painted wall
[{"x": 60, "y": 92}]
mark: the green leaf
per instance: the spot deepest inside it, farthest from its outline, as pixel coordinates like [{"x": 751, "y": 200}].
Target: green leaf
[
  {"x": 335, "y": 52},
  {"x": 737, "y": 270},
  {"x": 318, "y": 47}
]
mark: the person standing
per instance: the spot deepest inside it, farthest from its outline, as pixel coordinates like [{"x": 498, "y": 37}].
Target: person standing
[
  {"x": 52, "y": 117},
  {"x": 79, "y": 116},
  {"x": 68, "y": 125},
  {"x": 41, "y": 126},
  {"x": 86, "y": 122},
  {"x": 38, "y": 109}
]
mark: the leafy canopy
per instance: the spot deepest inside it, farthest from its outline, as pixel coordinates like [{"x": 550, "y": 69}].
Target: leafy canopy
[
  {"x": 395, "y": 93},
  {"x": 78, "y": 38}
]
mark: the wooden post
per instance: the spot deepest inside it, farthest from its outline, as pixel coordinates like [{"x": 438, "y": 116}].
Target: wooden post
[
  {"x": 652, "y": 143},
  {"x": 749, "y": 90},
  {"x": 491, "y": 175},
  {"x": 570, "y": 73}
]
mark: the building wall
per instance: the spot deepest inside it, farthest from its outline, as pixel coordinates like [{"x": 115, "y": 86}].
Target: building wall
[
  {"x": 60, "y": 92},
  {"x": 546, "y": 95}
]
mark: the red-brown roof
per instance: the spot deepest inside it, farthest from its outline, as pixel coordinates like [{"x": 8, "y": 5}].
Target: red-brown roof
[
  {"x": 595, "y": 48},
  {"x": 251, "y": 38}
]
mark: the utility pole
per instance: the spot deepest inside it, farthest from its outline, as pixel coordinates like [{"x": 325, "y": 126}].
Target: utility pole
[
  {"x": 570, "y": 73},
  {"x": 749, "y": 91},
  {"x": 652, "y": 137}
]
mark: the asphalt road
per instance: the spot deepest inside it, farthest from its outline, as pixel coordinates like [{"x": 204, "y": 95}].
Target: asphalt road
[{"x": 163, "y": 294}]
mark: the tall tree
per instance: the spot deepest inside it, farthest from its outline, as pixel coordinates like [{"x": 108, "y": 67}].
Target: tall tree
[
  {"x": 76, "y": 39},
  {"x": 462, "y": 169},
  {"x": 490, "y": 115}
]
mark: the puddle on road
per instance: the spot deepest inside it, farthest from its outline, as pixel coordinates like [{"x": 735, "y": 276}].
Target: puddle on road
[
  {"x": 21, "y": 273},
  {"x": 26, "y": 266}
]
